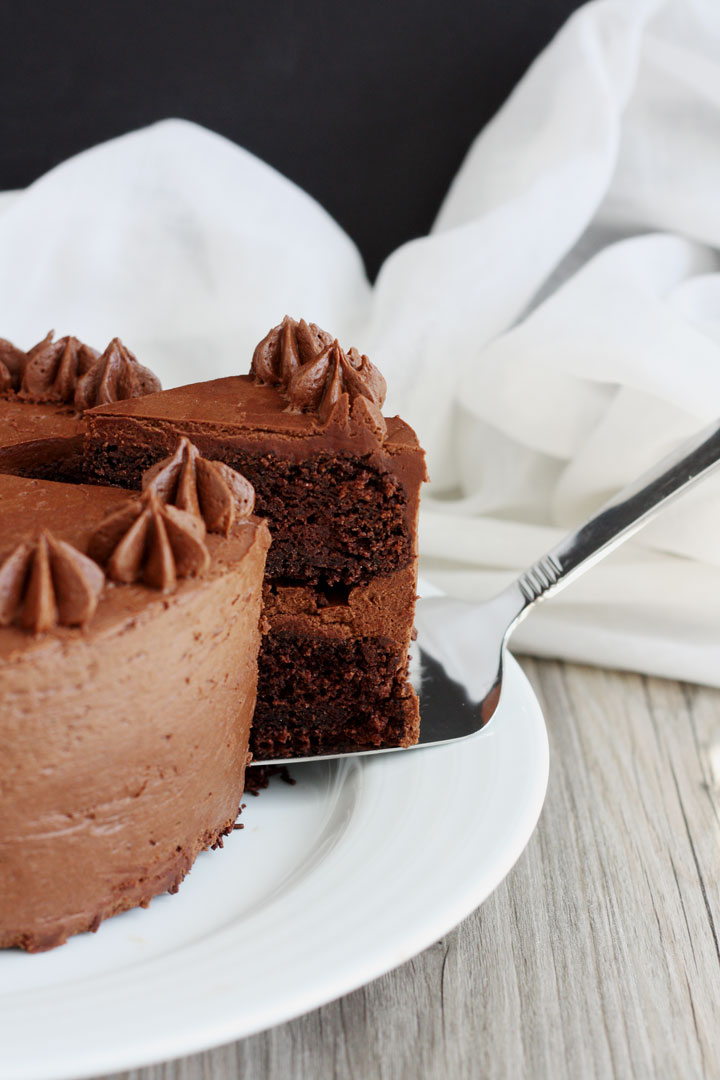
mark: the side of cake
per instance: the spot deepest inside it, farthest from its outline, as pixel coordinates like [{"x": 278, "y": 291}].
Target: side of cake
[
  {"x": 114, "y": 778},
  {"x": 339, "y": 484}
]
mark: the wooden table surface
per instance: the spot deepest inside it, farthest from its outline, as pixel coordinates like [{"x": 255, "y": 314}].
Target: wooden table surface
[{"x": 599, "y": 956}]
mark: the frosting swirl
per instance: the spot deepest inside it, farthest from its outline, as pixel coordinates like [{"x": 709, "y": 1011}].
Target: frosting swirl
[
  {"x": 72, "y": 373},
  {"x": 114, "y": 376},
  {"x": 12, "y": 365},
  {"x": 336, "y": 385},
  {"x": 213, "y": 491},
  {"x": 6, "y": 382},
  {"x": 285, "y": 348},
  {"x": 149, "y": 541},
  {"x": 48, "y": 583},
  {"x": 53, "y": 368},
  {"x": 314, "y": 374}
]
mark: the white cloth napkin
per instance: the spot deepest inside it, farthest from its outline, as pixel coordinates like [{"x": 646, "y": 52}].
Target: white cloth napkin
[{"x": 557, "y": 332}]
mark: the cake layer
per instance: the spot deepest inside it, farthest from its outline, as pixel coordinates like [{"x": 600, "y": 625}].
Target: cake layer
[
  {"x": 123, "y": 742},
  {"x": 295, "y": 731},
  {"x": 333, "y": 669},
  {"x": 41, "y": 440},
  {"x": 342, "y": 505},
  {"x": 322, "y": 695},
  {"x": 45, "y": 391}
]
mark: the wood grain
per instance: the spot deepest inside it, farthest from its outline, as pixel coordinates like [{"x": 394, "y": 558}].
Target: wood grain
[{"x": 599, "y": 956}]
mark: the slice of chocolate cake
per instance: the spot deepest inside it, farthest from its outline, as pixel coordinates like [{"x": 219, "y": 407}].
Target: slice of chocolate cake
[
  {"x": 44, "y": 393},
  {"x": 339, "y": 485}
]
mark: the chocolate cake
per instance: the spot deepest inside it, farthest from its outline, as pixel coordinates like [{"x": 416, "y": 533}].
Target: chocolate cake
[
  {"x": 129, "y": 622},
  {"x": 333, "y": 668},
  {"x": 339, "y": 485},
  {"x": 44, "y": 393},
  {"x": 127, "y": 688}
]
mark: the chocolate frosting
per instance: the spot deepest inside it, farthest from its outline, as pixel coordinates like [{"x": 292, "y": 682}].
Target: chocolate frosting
[
  {"x": 115, "y": 376},
  {"x": 213, "y": 491},
  {"x": 315, "y": 375},
  {"x": 285, "y": 349},
  {"x": 69, "y": 372},
  {"x": 149, "y": 541},
  {"x": 6, "y": 382},
  {"x": 48, "y": 583},
  {"x": 320, "y": 386},
  {"x": 113, "y": 779},
  {"x": 52, "y": 369},
  {"x": 12, "y": 365}
]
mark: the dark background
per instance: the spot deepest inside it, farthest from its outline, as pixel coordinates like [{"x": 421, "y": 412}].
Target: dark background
[{"x": 369, "y": 106}]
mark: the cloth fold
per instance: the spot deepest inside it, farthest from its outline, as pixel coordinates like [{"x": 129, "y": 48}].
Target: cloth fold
[{"x": 557, "y": 332}]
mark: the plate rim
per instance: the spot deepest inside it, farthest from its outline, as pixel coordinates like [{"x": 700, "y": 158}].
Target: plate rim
[{"x": 171, "y": 1044}]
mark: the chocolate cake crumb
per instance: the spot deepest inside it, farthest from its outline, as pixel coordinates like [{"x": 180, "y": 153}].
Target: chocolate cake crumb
[
  {"x": 259, "y": 777},
  {"x": 361, "y": 682},
  {"x": 312, "y": 542}
]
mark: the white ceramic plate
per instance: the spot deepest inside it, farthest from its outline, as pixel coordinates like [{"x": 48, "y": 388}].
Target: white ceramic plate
[{"x": 331, "y": 883}]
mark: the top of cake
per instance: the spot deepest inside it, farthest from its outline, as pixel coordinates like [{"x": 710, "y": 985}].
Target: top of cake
[
  {"x": 303, "y": 388},
  {"x": 237, "y": 401},
  {"x": 20, "y": 424}
]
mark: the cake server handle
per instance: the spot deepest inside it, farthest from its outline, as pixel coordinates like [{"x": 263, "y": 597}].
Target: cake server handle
[{"x": 626, "y": 512}]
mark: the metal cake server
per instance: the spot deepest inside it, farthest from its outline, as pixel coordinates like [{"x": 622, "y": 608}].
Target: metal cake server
[{"x": 457, "y": 664}]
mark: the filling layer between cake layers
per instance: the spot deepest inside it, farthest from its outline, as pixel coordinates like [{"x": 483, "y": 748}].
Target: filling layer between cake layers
[{"x": 339, "y": 485}]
